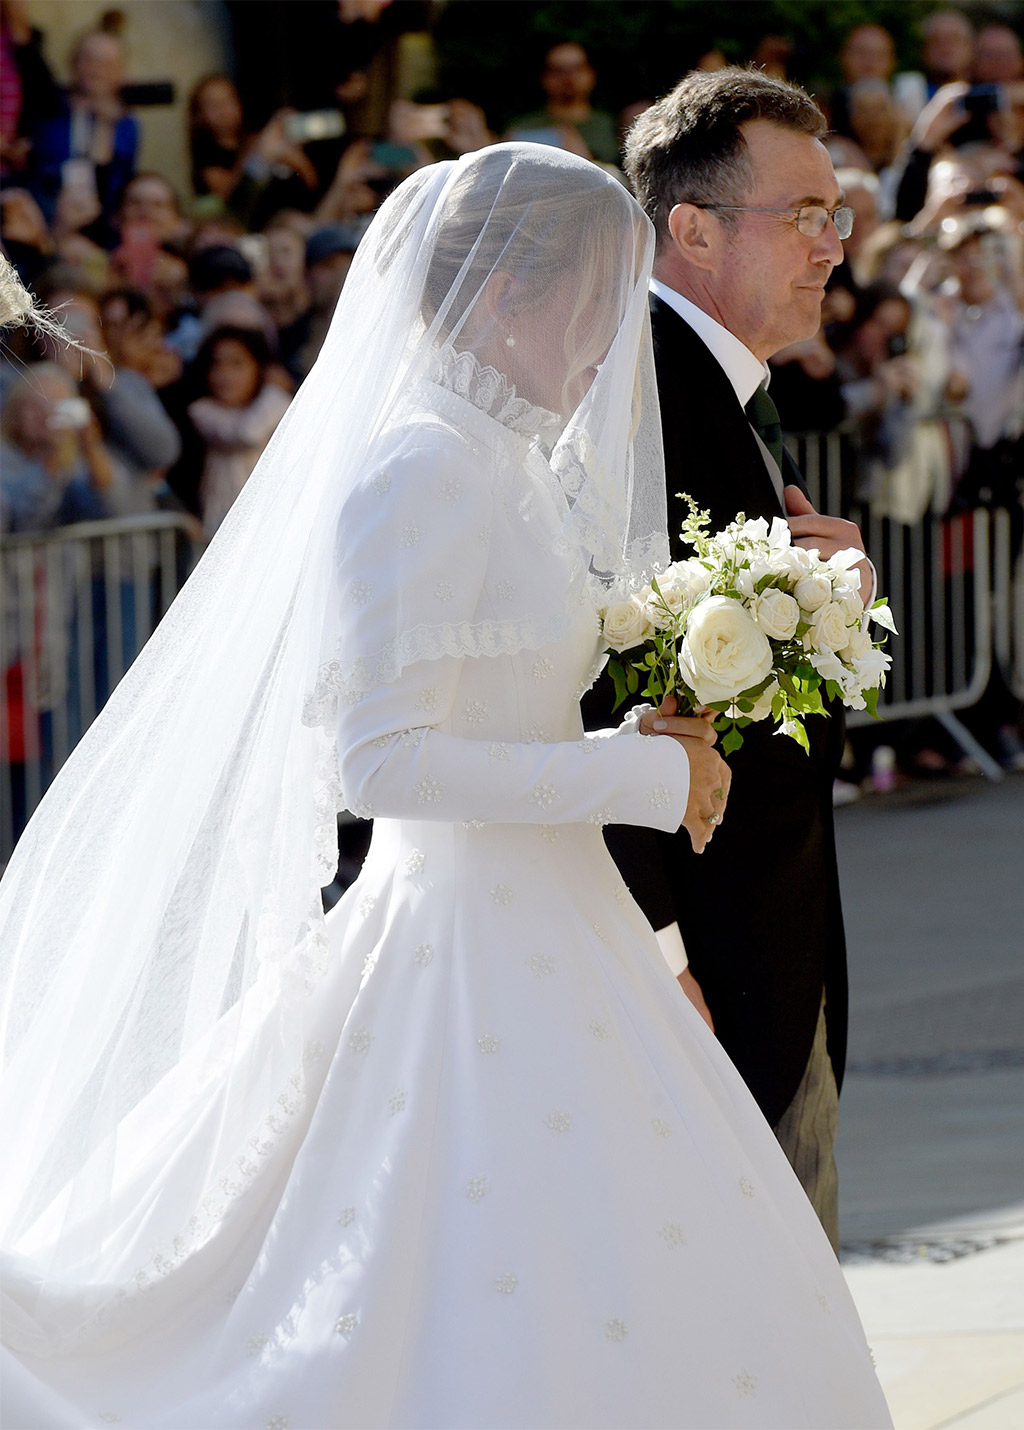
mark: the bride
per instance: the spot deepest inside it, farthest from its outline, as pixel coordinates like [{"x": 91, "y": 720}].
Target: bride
[{"x": 460, "y": 1154}]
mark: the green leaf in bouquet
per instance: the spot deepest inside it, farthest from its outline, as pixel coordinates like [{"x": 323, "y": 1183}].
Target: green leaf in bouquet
[
  {"x": 731, "y": 741},
  {"x": 632, "y": 680},
  {"x": 871, "y": 701},
  {"x": 797, "y": 732},
  {"x": 618, "y": 680}
]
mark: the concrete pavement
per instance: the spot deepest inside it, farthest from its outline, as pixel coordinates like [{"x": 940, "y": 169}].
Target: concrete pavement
[{"x": 931, "y": 1152}]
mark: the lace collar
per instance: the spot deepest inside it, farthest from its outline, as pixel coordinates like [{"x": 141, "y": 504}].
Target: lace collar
[{"x": 491, "y": 393}]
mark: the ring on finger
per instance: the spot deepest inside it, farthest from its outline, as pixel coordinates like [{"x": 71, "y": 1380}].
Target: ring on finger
[
  {"x": 712, "y": 818},
  {"x": 719, "y": 793}
]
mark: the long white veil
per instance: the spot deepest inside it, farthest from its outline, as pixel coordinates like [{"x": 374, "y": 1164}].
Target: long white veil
[{"x": 160, "y": 921}]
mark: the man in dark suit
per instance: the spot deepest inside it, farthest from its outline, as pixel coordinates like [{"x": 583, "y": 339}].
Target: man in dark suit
[{"x": 731, "y": 169}]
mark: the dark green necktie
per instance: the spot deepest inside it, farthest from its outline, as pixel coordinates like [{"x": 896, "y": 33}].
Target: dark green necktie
[{"x": 763, "y": 416}]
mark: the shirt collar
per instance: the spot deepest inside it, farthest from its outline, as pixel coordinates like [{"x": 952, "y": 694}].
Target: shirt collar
[{"x": 746, "y": 372}]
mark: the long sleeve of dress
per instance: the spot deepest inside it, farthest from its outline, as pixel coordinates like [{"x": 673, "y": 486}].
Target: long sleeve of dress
[{"x": 410, "y": 749}]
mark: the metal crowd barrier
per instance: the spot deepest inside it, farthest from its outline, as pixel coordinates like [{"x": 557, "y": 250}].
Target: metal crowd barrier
[
  {"x": 1008, "y": 604},
  {"x": 950, "y": 586},
  {"x": 77, "y": 604}
]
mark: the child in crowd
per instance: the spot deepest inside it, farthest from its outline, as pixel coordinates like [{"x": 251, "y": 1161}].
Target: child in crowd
[{"x": 235, "y": 418}]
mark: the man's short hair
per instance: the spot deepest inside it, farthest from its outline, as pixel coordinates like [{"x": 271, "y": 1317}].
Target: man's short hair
[{"x": 688, "y": 148}]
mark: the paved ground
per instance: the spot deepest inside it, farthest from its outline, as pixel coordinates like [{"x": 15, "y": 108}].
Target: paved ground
[{"x": 931, "y": 1155}]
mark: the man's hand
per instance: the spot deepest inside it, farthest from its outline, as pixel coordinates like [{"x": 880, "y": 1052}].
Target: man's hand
[
  {"x": 826, "y": 534},
  {"x": 710, "y": 776},
  {"x": 691, "y": 988}
]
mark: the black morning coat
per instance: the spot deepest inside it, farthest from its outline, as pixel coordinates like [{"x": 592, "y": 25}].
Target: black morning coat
[{"x": 759, "y": 910}]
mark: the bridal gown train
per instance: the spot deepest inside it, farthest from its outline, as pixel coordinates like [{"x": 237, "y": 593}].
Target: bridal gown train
[{"x": 531, "y": 1189}]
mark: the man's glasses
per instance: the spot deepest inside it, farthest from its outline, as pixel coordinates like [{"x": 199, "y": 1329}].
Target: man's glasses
[{"x": 810, "y": 221}]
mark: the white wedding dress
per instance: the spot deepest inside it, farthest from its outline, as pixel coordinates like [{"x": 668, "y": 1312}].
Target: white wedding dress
[{"x": 528, "y": 1188}]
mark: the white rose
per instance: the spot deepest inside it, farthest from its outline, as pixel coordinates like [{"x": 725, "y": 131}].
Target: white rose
[
  {"x": 680, "y": 585},
  {"x": 777, "y": 614},
  {"x": 626, "y": 625},
  {"x": 812, "y": 591},
  {"x": 829, "y": 630},
  {"x": 858, "y": 643},
  {"x": 723, "y": 652}
]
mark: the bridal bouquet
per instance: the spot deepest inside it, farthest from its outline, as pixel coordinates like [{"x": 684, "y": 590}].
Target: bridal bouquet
[{"x": 750, "y": 626}]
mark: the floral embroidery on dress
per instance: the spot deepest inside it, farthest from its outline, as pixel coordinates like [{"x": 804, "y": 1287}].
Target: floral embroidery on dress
[
  {"x": 360, "y": 1041},
  {"x": 474, "y": 824},
  {"x": 414, "y": 861},
  {"x": 672, "y": 1235},
  {"x": 559, "y": 1121},
  {"x": 396, "y": 1103},
  {"x": 616, "y": 1330},
  {"x": 499, "y": 751},
  {"x": 542, "y": 964},
  {"x": 410, "y": 534},
  {"x": 255, "y": 1344},
  {"x": 488, "y": 1043},
  {"x": 600, "y": 817},
  {"x": 484, "y": 535},
  {"x": 587, "y": 747},
  {"x": 622, "y": 897},
  {"x": 279, "y": 1422},
  {"x": 428, "y": 790},
  {"x": 745, "y": 1383},
  {"x": 747, "y": 1187},
  {"x": 367, "y": 904},
  {"x": 661, "y": 797},
  {"x": 823, "y": 1303},
  {"x": 505, "y": 590},
  {"x": 475, "y": 712},
  {"x": 506, "y": 1284},
  {"x": 413, "y": 739},
  {"x": 544, "y": 795},
  {"x": 476, "y": 1188},
  {"x": 360, "y": 592},
  {"x": 600, "y": 933},
  {"x": 444, "y": 591},
  {"x": 428, "y": 699},
  {"x": 347, "y": 1217},
  {"x": 382, "y": 481},
  {"x": 346, "y": 1324},
  {"x": 600, "y": 1031},
  {"x": 542, "y": 668},
  {"x": 502, "y": 895},
  {"x": 451, "y": 489},
  {"x": 535, "y": 735},
  {"x": 381, "y": 742},
  {"x": 550, "y": 833},
  {"x": 661, "y": 1128},
  {"x": 423, "y": 955}
]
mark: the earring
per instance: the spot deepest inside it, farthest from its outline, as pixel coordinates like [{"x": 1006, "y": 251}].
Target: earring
[{"x": 510, "y": 341}]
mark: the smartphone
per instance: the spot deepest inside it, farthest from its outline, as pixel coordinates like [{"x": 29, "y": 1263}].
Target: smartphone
[
  {"x": 78, "y": 176},
  {"x": 315, "y": 124},
  {"x": 70, "y": 414},
  {"x": 149, "y": 92},
  {"x": 980, "y": 102},
  {"x": 983, "y": 197},
  {"x": 393, "y": 156}
]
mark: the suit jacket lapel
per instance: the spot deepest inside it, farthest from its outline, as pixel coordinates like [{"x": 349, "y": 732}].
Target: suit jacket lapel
[{"x": 706, "y": 430}]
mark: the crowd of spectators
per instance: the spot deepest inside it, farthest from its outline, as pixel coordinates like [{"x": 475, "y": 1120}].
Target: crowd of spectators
[{"x": 199, "y": 313}]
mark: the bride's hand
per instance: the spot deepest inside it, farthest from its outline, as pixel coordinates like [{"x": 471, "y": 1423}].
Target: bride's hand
[{"x": 710, "y": 776}]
